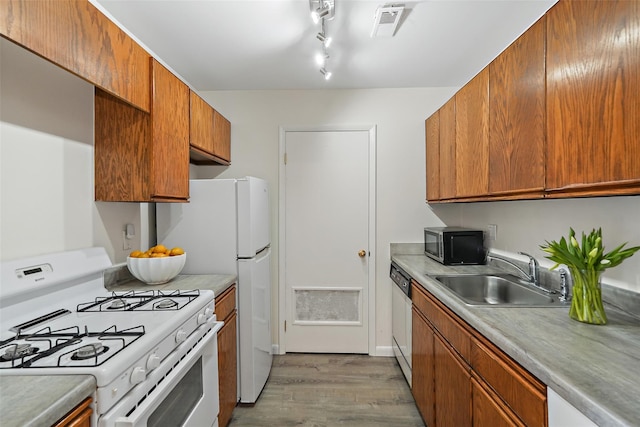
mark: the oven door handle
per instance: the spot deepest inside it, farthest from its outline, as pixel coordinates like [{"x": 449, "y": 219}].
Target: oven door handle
[{"x": 139, "y": 416}]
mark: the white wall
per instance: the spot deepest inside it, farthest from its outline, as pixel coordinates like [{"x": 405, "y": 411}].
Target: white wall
[
  {"x": 46, "y": 160},
  {"x": 399, "y": 114}
]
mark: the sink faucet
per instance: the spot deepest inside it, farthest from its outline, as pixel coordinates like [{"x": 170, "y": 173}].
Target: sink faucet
[
  {"x": 533, "y": 276},
  {"x": 534, "y": 270}
]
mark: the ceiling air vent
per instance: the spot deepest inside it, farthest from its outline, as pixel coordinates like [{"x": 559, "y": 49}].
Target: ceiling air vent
[{"x": 386, "y": 20}]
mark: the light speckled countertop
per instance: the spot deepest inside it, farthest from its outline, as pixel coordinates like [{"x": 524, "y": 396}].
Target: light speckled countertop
[
  {"x": 595, "y": 368},
  {"x": 36, "y": 401},
  {"x": 218, "y": 283}
]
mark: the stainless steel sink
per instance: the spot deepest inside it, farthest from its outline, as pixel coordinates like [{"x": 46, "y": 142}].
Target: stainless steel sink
[{"x": 497, "y": 290}]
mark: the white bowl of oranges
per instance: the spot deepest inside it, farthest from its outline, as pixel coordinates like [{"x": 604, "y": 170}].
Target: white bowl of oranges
[{"x": 157, "y": 265}]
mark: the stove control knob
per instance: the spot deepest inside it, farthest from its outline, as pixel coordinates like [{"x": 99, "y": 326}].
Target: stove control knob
[
  {"x": 138, "y": 375},
  {"x": 153, "y": 362},
  {"x": 208, "y": 312},
  {"x": 202, "y": 318},
  {"x": 181, "y": 336}
]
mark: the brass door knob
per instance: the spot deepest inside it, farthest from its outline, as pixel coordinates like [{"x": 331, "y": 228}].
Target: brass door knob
[{"x": 362, "y": 253}]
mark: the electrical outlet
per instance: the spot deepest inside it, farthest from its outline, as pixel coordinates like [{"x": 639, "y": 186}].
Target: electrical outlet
[
  {"x": 126, "y": 243},
  {"x": 493, "y": 232}
]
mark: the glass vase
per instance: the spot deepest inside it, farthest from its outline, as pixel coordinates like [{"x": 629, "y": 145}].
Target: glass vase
[{"x": 586, "y": 304}]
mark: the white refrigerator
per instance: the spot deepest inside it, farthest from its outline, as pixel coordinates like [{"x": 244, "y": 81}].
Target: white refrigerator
[{"x": 225, "y": 229}]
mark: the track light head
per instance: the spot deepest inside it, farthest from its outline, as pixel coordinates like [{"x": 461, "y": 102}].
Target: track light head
[
  {"x": 326, "y": 41},
  {"x": 321, "y": 10},
  {"x": 320, "y": 59},
  {"x": 325, "y": 73},
  {"x": 320, "y": 13}
]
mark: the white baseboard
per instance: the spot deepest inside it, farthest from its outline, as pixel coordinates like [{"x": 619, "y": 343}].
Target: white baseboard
[
  {"x": 381, "y": 351},
  {"x": 384, "y": 351}
]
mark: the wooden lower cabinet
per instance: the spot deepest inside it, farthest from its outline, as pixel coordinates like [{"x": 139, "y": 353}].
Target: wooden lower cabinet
[
  {"x": 459, "y": 378},
  {"x": 452, "y": 386},
  {"x": 227, "y": 355},
  {"x": 79, "y": 417},
  {"x": 488, "y": 408},
  {"x": 422, "y": 371}
]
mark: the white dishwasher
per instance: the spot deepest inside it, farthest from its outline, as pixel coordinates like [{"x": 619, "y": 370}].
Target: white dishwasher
[{"x": 401, "y": 318}]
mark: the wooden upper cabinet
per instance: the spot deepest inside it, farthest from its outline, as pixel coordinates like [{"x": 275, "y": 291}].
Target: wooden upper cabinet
[
  {"x": 201, "y": 124},
  {"x": 472, "y": 137},
  {"x": 170, "y": 140},
  {"x": 222, "y": 137},
  {"x": 209, "y": 134},
  {"x": 432, "y": 150},
  {"x": 142, "y": 157},
  {"x": 76, "y": 36},
  {"x": 593, "y": 97},
  {"x": 448, "y": 150},
  {"x": 517, "y": 115}
]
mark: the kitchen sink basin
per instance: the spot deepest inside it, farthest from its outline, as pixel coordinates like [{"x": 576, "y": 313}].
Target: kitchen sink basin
[{"x": 497, "y": 290}]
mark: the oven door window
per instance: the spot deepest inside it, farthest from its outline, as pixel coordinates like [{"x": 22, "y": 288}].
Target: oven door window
[{"x": 178, "y": 405}]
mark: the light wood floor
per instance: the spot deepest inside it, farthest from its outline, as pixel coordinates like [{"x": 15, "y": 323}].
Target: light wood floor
[{"x": 323, "y": 390}]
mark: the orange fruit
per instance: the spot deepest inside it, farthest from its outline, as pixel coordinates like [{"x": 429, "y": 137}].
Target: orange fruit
[
  {"x": 135, "y": 254},
  {"x": 176, "y": 251},
  {"x": 159, "y": 255},
  {"x": 144, "y": 255},
  {"x": 159, "y": 248}
]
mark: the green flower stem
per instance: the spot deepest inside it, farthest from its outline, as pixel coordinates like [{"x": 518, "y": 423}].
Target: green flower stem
[{"x": 586, "y": 305}]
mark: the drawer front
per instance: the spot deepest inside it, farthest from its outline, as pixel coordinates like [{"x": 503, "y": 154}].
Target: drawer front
[
  {"x": 522, "y": 392},
  {"x": 489, "y": 410},
  {"x": 447, "y": 325},
  {"x": 226, "y": 303}
]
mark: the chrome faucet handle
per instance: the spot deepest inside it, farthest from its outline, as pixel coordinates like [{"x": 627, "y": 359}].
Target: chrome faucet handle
[
  {"x": 566, "y": 282},
  {"x": 533, "y": 268}
]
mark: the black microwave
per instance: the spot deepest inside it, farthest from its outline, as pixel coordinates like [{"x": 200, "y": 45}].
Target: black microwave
[{"x": 454, "y": 245}]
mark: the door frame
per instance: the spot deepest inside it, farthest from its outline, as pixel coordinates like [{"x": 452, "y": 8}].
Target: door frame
[{"x": 371, "y": 282}]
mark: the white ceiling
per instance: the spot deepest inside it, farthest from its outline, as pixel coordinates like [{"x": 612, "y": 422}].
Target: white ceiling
[{"x": 270, "y": 44}]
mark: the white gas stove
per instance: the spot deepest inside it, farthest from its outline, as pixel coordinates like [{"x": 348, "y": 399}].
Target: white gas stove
[{"x": 142, "y": 347}]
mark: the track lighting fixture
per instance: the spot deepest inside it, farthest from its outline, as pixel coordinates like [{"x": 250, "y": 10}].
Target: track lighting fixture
[
  {"x": 326, "y": 41},
  {"x": 321, "y": 10},
  {"x": 325, "y": 73},
  {"x": 320, "y": 13},
  {"x": 321, "y": 59}
]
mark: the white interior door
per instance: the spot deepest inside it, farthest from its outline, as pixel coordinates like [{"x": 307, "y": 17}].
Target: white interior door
[{"x": 327, "y": 229}]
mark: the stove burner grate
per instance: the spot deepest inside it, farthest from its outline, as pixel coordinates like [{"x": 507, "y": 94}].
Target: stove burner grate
[
  {"x": 89, "y": 351},
  {"x": 166, "y": 304},
  {"x": 18, "y": 351},
  {"x": 60, "y": 340},
  {"x": 140, "y": 301}
]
